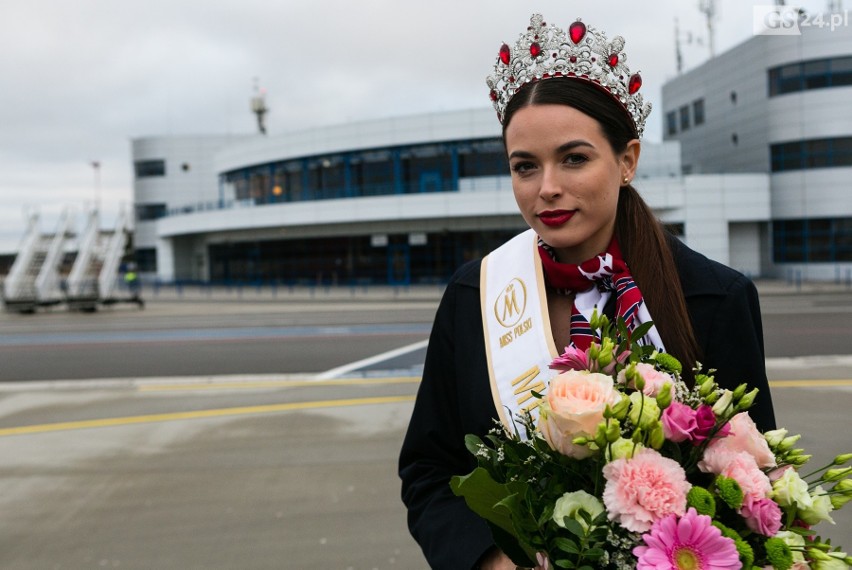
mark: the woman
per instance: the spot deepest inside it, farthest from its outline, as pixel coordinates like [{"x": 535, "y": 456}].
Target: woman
[{"x": 572, "y": 117}]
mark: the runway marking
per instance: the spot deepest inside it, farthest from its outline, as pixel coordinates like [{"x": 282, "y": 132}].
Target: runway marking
[
  {"x": 275, "y": 384},
  {"x": 808, "y": 383},
  {"x": 346, "y": 368},
  {"x": 199, "y": 414}
]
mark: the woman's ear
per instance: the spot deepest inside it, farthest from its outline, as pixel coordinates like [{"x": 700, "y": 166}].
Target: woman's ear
[{"x": 630, "y": 159}]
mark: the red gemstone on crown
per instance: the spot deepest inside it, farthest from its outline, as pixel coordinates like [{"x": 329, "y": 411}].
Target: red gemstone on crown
[
  {"x": 535, "y": 50},
  {"x": 577, "y": 30},
  {"x": 505, "y": 53},
  {"x": 573, "y": 59},
  {"x": 493, "y": 95},
  {"x": 634, "y": 84},
  {"x": 613, "y": 60}
]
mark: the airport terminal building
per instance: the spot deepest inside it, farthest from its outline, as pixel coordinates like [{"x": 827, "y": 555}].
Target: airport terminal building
[{"x": 407, "y": 200}]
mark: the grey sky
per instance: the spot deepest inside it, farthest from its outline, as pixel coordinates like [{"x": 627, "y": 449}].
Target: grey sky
[{"x": 80, "y": 78}]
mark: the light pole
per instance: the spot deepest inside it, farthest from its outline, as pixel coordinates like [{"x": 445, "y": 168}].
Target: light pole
[{"x": 96, "y": 166}]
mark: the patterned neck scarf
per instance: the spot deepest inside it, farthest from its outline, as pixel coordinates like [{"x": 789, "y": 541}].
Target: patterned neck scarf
[{"x": 592, "y": 282}]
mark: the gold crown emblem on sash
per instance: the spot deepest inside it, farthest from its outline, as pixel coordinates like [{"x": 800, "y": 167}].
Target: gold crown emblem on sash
[{"x": 511, "y": 303}]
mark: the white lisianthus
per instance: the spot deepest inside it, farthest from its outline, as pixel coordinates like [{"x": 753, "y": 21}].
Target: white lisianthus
[
  {"x": 818, "y": 512},
  {"x": 623, "y": 449},
  {"x": 570, "y": 504},
  {"x": 830, "y": 561},
  {"x": 723, "y": 403},
  {"x": 796, "y": 542},
  {"x": 649, "y": 409},
  {"x": 791, "y": 490},
  {"x": 775, "y": 437}
]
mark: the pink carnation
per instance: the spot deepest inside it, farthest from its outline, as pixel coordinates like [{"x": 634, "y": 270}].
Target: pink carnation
[
  {"x": 762, "y": 516},
  {"x": 690, "y": 541},
  {"x": 745, "y": 436},
  {"x": 739, "y": 466},
  {"x": 644, "y": 489}
]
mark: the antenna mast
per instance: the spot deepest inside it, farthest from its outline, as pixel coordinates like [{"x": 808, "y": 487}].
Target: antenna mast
[
  {"x": 678, "y": 52},
  {"x": 708, "y": 8},
  {"x": 258, "y": 106}
]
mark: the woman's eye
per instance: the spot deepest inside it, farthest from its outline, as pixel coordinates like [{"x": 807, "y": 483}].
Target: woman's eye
[
  {"x": 522, "y": 167},
  {"x": 575, "y": 159}
]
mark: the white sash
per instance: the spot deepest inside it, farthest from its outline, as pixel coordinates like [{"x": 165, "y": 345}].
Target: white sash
[{"x": 518, "y": 340}]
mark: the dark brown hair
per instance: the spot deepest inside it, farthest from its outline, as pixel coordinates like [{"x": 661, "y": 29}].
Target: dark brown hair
[{"x": 640, "y": 235}]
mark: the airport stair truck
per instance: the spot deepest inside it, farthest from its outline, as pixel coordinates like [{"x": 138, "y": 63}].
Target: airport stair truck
[
  {"x": 33, "y": 279},
  {"x": 113, "y": 252},
  {"x": 48, "y": 283},
  {"x": 82, "y": 284}
]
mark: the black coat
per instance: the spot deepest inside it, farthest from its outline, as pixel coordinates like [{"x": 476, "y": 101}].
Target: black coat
[{"x": 455, "y": 399}]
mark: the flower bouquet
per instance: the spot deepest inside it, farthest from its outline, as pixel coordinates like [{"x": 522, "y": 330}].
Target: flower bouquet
[{"x": 628, "y": 467}]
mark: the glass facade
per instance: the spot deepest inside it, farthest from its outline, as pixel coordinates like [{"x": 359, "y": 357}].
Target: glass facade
[
  {"x": 814, "y": 153},
  {"x": 352, "y": 261},
  {"x": 812, "y": 240},
  {"x": 813, "y": 74},
  {"x": 411, "y": 169}
]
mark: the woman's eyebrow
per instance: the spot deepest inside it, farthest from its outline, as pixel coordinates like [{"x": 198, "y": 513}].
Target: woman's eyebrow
[{"x": 562, "y": 148}]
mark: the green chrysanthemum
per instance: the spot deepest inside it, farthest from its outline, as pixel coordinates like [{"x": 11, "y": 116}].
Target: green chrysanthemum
[
  {"x": 729, "y": 491},
  {"x": 744, "y": 549},
  {"x": 702, "y": 500},
  {"x": 778, "y": 554},
  {"x": 668, "y": 362}
]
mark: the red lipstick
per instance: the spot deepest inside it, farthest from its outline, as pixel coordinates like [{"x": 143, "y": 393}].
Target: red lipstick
[{"x": 555, "y": 218}]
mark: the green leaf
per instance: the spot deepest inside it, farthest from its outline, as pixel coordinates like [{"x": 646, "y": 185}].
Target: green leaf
[
  {"x": 482, "y": 493},
  {"x": 566, "y": 545},
  {"x": 564, "y": 563},
  {"x": 496, "y": 503},
  {"x": 641, "y": 330},
  {"x": 472, "y": 443},
  {"x": 574, "y": 527}
]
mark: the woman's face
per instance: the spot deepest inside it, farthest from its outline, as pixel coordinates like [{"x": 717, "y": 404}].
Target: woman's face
[{"x": 566, "y": 178}]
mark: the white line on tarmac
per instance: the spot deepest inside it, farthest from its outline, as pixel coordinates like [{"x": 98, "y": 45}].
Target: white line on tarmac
[{"x": 346, "y": 368}]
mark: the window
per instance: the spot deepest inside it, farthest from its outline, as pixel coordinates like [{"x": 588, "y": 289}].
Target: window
[
  {"x": 684, "y": 118},
  {"x": 148, "y": 168},
  {"x": 146, "y": 260},
  {"x": 671, "y": 123},
  {"x": 815, "y": 153},
  {"x": 813, "y": 74},
  {"x": 812, "y": 240},
  {"x": 698, "y": 111},
  {"x": 146, "y": 212}
]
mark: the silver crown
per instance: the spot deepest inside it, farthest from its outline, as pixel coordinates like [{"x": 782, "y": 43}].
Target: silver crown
[{"x": 581, "y": 52}]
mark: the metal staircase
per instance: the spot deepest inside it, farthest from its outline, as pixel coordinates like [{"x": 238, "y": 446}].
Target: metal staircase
[
  {"x": 34, "y": 279},
  {"x": 82, "y": 283},
  {"x": 111, "y": 261}
]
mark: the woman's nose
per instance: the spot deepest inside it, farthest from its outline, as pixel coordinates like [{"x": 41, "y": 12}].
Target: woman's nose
[{"x": 551, "y": 185}]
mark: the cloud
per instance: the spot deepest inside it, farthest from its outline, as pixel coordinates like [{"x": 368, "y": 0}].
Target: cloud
[{"x": 80, "y": 79}]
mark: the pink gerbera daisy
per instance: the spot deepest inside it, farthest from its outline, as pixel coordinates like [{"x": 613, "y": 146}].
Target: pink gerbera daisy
[{"x": 689, "y": 542}]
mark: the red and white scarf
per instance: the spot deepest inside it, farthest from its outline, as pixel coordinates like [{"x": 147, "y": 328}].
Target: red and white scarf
[{"x": 592, "y": 282}]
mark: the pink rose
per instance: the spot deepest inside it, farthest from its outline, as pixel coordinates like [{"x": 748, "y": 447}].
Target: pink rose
[
  {"x": 644, "y": 489},
  {"x": 739, "y": 466},
  {"x": 654, "y": 379},
  {"x": 762, "y": 516},
  {"x": 574, "y": 406},
  {"x": 744, "y": 436},
  {"x": 678, "y": 422},
  {"x": 705, "y": 419}
]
